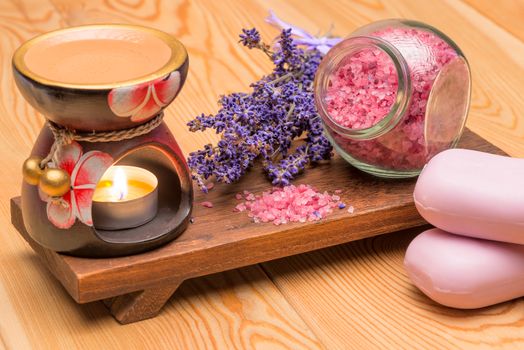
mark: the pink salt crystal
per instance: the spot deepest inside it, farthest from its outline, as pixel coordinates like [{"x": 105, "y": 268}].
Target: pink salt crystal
[
  {"x": 363, "y": 89},
  {"x": 288, "y": 204},
  {"x": 210, "y": 185},
  {"x": 241, "y": 207},
  {"x": 207, "y": 204},
  {"x": 338, "y": 191},
  {"x": 238, "y": 196},
  {"x": 351, "y": 210}
]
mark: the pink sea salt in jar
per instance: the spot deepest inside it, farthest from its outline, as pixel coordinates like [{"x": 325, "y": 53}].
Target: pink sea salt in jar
[{"x": 392, "y": 95}]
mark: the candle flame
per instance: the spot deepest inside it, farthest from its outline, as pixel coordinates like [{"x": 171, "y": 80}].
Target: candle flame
[{"x": 119, "y": 188}]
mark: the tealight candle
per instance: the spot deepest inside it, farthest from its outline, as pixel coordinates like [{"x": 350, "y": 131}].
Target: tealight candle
[{"x": 125, "y": 197}]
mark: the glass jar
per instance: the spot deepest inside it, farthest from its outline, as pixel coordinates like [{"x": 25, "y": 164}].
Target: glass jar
[{"x": 392, "y": 95}]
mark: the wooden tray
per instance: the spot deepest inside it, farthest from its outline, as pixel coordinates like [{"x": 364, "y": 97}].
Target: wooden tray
[{"x": 136, "y": 287}]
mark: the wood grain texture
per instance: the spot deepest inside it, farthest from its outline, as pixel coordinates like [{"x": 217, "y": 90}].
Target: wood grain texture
[
  {"x": 495, "y": 55},
  {"x": 358, "y": 296},
  {"x": 141, "y": 305},
  {"x": 218, "y": 239},
  {"x": 506, "y": 14},
  {"x": 243, "y": 308},
  {"x": 243, "y": 302}
]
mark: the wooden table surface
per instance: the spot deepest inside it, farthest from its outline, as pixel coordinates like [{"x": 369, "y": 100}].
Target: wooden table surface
[{"x": 354, "y": 296}]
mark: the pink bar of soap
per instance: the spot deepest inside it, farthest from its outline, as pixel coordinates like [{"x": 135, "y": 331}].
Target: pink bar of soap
[
  {"x": 464, "y": 272},
  {"x": 473, "y": 194}
]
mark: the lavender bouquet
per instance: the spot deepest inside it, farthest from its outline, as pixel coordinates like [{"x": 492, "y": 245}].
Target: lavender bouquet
[{"x": 262, "y": 124}]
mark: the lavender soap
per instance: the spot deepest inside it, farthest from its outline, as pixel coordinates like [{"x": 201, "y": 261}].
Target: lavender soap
[{"x": 473, "y": 194}]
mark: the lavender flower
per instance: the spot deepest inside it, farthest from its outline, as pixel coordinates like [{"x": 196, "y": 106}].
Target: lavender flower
[
  {"x": 264, "y": 123},
  {"x": 250, "y": 38}
]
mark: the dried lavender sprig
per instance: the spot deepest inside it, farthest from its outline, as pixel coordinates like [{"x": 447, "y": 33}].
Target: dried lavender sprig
[{"x": 264, "y": 123}]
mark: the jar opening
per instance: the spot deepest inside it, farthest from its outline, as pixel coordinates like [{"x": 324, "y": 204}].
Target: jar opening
[
  {"x": 429, "y": 109},
  {"x": 362, "y": 87}
]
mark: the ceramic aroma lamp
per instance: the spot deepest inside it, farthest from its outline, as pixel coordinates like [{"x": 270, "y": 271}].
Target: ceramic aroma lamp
[{"x": 103, "y": 89}]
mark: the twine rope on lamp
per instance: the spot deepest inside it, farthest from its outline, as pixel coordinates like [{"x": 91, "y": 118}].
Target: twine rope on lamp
[
  {"x": 65, "y": 136},
  {"x": 55, "y": 182}
]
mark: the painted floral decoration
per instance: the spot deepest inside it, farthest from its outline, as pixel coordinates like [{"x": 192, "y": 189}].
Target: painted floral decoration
[
  {"x": 85, "y": 170},
  {"x": 143, "y": 101}
]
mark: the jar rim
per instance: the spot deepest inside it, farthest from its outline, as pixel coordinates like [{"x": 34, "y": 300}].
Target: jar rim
[{"x": 330, "y": 62}]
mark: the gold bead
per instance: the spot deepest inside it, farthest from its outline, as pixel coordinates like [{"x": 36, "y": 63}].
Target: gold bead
[
  {"x": 31, "y": 170},
  {"x": 55, "y": 182}
]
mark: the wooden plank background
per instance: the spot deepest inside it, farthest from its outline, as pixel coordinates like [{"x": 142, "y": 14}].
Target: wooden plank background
[{"x": 355, "y": 296}]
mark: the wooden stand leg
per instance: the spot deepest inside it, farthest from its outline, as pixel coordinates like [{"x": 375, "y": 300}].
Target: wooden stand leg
[{"x": 139, "y": 305}]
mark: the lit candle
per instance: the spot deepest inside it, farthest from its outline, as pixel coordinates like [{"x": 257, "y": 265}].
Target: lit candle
[{"x": 125, "y": 197}]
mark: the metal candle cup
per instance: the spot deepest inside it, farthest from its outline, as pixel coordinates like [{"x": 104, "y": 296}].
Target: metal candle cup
[{"x": 125, "y": 197}]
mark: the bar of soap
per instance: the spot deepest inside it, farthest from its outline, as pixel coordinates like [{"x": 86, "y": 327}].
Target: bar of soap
[
  {"x": 464, "y": 272},
  {"x": 474, "y": 194}
]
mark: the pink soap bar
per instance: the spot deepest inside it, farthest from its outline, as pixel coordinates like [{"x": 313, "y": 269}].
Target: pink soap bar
[
  {"x": 473, "y": 194},
  {"x": 464, "y": 272}
]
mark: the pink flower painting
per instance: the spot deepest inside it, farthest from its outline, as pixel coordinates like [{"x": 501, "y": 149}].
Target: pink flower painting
[
  {"x": 85, "y": 170},
  {"x": 143, "y": 101}
]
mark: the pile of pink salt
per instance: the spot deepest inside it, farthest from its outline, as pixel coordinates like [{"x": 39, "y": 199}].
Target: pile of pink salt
[
  {"x": 363, "y": 89},
  {"x": 289, "y": 204}
]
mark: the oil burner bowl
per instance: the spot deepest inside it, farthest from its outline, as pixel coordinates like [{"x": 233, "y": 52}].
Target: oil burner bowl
[{"x": 146, "y": 68}]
